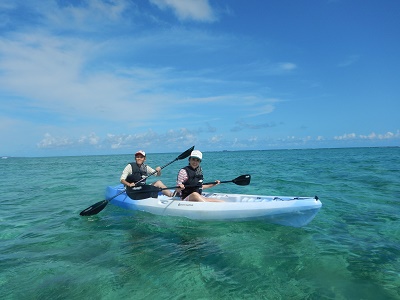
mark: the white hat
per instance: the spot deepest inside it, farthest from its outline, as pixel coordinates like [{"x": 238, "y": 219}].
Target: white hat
[
  {"x": 197, "y": 154},
  {"x": 140, "y": 152}
]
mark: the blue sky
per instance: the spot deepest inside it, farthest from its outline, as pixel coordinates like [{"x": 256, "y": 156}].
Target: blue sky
[{"x": 109, "y": 77}]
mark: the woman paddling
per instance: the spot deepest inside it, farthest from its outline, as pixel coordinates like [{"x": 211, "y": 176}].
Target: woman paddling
[{"x": 190, "y": 180}]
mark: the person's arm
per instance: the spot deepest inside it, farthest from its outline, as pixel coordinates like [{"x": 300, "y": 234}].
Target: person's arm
[
  {"x": 150, "y": 171},
  {"x": 125, "y": 173},
  {"x": 207, "y": 186},
  {"x": 182, "y": 177}
]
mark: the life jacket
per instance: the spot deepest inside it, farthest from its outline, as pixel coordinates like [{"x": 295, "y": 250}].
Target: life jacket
[
  {"x": 138, "y": 173},
  {"x": 195, "y": 180}
]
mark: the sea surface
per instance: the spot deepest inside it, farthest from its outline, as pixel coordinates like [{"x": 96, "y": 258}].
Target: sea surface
[{"x": 351, "y": 250}]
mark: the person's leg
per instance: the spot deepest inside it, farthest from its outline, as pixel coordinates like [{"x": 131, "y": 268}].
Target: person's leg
[
  {"x": 196, "y": 197},
  {"x": 162, "y": 186},
  {"x": 199, "y": 198}
]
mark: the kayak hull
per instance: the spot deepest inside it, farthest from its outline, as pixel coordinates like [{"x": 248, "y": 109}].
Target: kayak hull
[{"x": 282, "y": 210}]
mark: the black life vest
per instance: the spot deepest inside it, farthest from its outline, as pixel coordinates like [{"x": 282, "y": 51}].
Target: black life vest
[
  {"x": 195, "y": 179},
  {"x": 138, "y": 173}
]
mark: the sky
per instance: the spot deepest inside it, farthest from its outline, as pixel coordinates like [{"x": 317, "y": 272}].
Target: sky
[{"x": 82, "y": 77}]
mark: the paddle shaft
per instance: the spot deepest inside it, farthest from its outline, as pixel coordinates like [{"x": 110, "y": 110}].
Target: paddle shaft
[
  {"x": 99, "y": 206},
  {"x": 121, "y": 192},
  {"x": 144, "y": 178},
  {"x": 241, "y": 180},
  {"x": 187, "y": 186},
  {"x": 183, "y": 155}
]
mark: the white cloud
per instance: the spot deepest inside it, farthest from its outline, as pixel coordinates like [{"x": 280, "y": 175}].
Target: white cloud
[
  {"x": 197, "y": 10},
  {"x": 257, "y": 106},
  {"x": 215, "y": 139},
  {"x": 82, "y": 17},
  {"x": 54, "y": 142},
  {"x": 124, "y": 141},
  {"x": 372, "y": 136},
  {"x": 349, "y": 61},
  {"x": 266, "y": 67},
  {"x": 263, "y": 110},
  {"x": 91, "y": 139},
  {"x": 346, "y": 136},
  {"x": 55, "y": 77},
  {"x": 386, "y": 136},
  {"x": 287, "y": 66}
]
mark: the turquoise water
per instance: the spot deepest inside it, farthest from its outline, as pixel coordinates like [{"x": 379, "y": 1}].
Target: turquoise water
[{"x": 351, "y": 250}]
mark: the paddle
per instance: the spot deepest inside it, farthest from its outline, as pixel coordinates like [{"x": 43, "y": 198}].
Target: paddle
[
  {"x": 99, "y": 206},
  {"x": 146, "y": 191}
]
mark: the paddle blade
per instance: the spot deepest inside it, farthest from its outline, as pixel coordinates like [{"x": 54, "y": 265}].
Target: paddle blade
[
  {"x": 185, "y": 154},
  {"x": 242, "y": 180},
  {"x": 94, "y": 209},
  {"x": 142, "y": 192}
]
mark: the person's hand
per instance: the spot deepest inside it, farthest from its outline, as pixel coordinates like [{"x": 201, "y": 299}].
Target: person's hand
[
  {"x": 181, "y": 186},
  {"x": 131, "y": 184},
  {"x": 158, "y": 169},
  {"x": 217, "y": 182}
]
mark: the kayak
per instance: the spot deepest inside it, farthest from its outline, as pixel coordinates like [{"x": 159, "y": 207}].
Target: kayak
[{"x": 282, "y": 210}]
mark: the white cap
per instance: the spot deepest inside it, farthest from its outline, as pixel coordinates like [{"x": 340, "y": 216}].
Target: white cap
[
  {"x": 140, "y": 152},
  {"x": 197, "y": 154}
]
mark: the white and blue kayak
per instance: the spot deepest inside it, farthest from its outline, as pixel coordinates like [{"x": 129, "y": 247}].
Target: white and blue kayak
[{"x": 282, "y": 210}]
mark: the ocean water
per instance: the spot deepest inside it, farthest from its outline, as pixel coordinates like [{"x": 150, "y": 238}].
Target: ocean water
[{"x": 351, "y": 250}]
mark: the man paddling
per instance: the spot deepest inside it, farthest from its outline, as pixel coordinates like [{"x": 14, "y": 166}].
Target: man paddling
[{"x": 135, "y": 173}]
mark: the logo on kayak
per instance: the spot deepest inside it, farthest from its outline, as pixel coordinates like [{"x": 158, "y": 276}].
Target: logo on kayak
[{"x": 185, "y": 204}]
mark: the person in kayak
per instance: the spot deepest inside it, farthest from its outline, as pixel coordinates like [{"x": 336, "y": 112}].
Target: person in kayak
[
  {"x": 190, "y": 180},
  {"x": 135, "y": 173}
]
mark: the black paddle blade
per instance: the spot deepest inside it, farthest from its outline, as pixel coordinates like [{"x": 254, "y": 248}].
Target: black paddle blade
[
  {"x": 142, "y": 192},
  {"x": 94, "y": 209},
  {"x": 242, "y": 180},
  {"x": 181, "y": 156},
  {"x": 185, "y": 154}
]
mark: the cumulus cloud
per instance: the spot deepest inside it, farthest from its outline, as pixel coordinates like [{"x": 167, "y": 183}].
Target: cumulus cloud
[
  {"x": 296, "y": 140},
  {"x": 386, "y": 136},
  {"x": 372, "y": 136},
  {"x": 50, "y": 141},
  {"x": 91, "y": 139},
  {"x": 122, "y": 141},
  {"x": 346, "y": 136}
]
